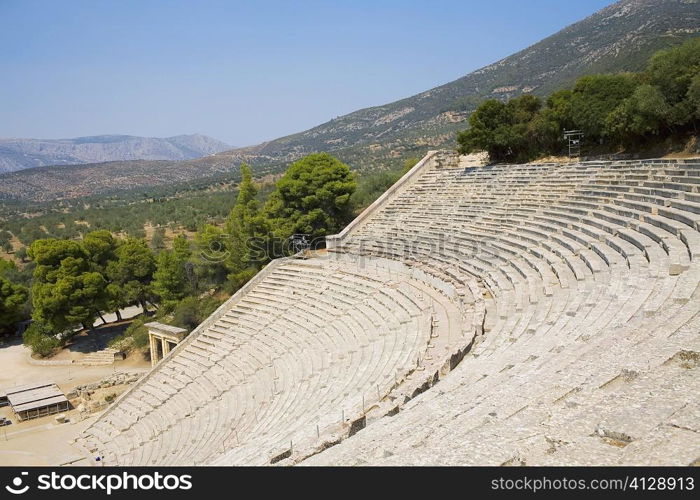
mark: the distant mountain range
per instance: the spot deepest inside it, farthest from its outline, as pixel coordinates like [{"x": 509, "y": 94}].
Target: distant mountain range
[
  {"x": 620, "y": 37},
  {"x": 19, "y": 154}
]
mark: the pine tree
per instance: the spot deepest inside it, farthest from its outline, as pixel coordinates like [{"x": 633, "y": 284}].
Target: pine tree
[
  {"x": 170, "y": 281},
  {"x": 132, "y": 272},
  {"x": 66, "y": 289},
  {"x": 12, "y": 299},
  {"x": 244, "y": 223}
]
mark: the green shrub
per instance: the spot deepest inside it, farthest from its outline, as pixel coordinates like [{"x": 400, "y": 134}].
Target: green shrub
[
  {"x": 135, "y": 336},
  {"x": 236, "y": 281},
  {"x": 372, "y": 186},
  {"x": 41, "y": 340},
  {"x": 138, "y": 332},
  {"x": 191, "y": 311}
]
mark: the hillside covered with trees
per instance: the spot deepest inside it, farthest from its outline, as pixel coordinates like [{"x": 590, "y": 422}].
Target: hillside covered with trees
[
  {"x": 68, "y": 283},
  {"x": 616, "y": 112}
]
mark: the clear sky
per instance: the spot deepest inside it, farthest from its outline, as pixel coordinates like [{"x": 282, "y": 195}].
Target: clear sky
[{"x": 243, "y": 72}]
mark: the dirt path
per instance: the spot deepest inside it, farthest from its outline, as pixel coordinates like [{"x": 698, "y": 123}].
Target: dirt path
[
  {"x": 17, "y": 370},
  {"x": 41, "y": 442}
]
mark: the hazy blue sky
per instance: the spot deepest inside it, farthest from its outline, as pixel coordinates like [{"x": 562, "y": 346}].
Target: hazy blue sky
[{"x": 243, "y": 72}]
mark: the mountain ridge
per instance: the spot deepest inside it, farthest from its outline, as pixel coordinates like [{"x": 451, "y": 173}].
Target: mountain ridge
[
  {"x": 619, "y": 37},
  {"x": 21, "y": 153}
]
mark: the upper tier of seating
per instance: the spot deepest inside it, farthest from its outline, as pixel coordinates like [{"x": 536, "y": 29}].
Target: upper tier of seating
[{"x": 591, "y": 339}]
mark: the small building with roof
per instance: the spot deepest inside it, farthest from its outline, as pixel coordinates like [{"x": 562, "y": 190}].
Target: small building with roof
[{"x": 36, "y": 400}]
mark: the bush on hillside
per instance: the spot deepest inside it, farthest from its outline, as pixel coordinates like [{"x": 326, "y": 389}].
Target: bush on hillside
[
  {"x": 41, "y": 340},
  {"x": 191, "y": 311}
]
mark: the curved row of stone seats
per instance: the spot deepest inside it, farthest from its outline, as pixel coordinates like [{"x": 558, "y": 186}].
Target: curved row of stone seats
[
  {"x": 590, "y": 339},
  {"x": 583, "y": 410},
  {"x": 305, "y": 353}
]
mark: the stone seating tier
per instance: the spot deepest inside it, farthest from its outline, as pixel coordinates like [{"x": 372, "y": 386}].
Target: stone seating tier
[{"x": 314, "y": 346}]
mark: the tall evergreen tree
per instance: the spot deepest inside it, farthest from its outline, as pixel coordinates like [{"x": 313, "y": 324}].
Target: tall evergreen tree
[
  {"x": 12, "y": 299},
  {"x": 170, "y": 281},
  {"x": 209, "y": 260},
  {"x": 243, "y": 225},
  {"x": 100, "y": 247}
]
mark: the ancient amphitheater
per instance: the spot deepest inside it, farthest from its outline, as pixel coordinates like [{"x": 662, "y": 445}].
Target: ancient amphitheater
[{"x": 508, "y": 314}]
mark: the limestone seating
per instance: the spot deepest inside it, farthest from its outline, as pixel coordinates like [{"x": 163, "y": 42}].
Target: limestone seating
[
  {"x": 631, "y": 306},
  {"x": 311, "y": 338}
]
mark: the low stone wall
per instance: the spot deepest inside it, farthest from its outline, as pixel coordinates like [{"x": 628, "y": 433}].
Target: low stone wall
[{"x": 49, "y": 362}]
